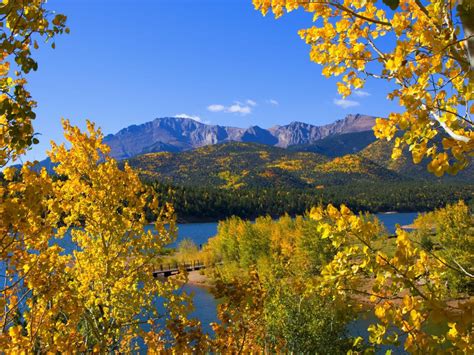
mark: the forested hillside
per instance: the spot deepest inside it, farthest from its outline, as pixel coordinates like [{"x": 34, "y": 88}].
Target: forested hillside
[
  {"x": 380, "y": 152},
  {"x": 250, "y": 165},
  {"x": 195, "y": 203},
  {"x": 250, "y": 180},
  {"x": 338, "y": 145}
]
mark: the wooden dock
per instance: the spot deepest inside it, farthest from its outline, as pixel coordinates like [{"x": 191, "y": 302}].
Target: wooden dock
[{"x": 167, "y": 270}]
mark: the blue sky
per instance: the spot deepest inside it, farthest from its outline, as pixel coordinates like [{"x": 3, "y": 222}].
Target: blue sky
[{"x": 128, "y": 62}]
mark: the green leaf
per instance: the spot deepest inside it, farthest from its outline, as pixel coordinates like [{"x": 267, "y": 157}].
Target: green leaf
[{"x": 393, "y": 4}]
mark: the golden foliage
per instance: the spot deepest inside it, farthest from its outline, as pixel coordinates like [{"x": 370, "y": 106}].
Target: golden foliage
[
  {"x": 233, "y": 181},
  {"x": 23, "y": 24},
  {"x": 347, "y": 258},
  {"x": 346, "y": 164},
  {"x": 420, "y": 47},
  {"x": 99, "y": 296},
  {"x": 287, "y": 164},
  {"x": 408, "y": 289},
  {"x": 267, "y": 276}
]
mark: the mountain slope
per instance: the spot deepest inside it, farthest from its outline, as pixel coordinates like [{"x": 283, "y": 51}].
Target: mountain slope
[
  {"x": 297, "y": 133},
  {"x": 167, "y": 134},
  {"x": 237, "y": 165},
  {"x": 338, "y": 145},
  {"x": 175, "y": 134},
  {"x": 380, "y": 152}
]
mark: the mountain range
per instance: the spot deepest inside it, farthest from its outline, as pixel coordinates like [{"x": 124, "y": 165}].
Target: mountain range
[
  {"x": 298, "y": 155},
  {"x": 175, "y": 134}
]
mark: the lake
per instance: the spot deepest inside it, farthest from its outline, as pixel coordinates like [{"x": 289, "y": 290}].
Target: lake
[
  {"x": 205, "y": 304},
  {"x": 199, "y": 233}
]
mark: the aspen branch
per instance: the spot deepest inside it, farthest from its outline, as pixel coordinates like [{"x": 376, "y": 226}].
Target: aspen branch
[
  {"x": 466, "y": 12},
  {"x": 345, "y": 9},
  {"x": 448, "y": 130},
  {"x": 463, "y": 270}
]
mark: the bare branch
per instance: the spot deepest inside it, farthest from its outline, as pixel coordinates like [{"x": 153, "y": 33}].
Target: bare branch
[
  {"x": 464, "y": 271},
  {"x": 448, "y": 130}
]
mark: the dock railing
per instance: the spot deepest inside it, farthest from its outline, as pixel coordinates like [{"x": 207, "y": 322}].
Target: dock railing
[{"x": 175, "y": 268}]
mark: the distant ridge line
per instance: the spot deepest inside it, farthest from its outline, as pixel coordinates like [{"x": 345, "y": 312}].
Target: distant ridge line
[{"x": 175, "y": 134}]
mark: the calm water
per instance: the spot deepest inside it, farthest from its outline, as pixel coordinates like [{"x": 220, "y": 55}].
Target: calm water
[
  {"x": 390, "y": 220},
  {"x": 205, "y": 306},
  {"x": 199, "y": 233}
]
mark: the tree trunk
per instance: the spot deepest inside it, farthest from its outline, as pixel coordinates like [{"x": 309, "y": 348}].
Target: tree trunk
[{"x": 466, "y": 14}]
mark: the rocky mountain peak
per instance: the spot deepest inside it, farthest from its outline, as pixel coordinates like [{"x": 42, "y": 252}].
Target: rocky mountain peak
[{"x": 178, "y": 134}]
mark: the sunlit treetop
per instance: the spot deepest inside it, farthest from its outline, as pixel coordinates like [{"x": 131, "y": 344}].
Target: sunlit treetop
[
  {"x": 425, "y": 48},
  {"x": 97, "y": 295},
  {"x": 24, "y": 25}
]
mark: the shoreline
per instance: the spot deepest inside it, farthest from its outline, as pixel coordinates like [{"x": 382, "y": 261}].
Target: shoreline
[
  {"x": 196, "y": 278},
  {"x": 198, "y": 220}
]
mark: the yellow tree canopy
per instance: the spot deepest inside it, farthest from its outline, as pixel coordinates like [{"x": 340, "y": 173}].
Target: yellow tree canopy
[
  {"x": 100, "y": 295},
  {"x": 24, "y": 24},
  {"x": 425, "y": 48}
]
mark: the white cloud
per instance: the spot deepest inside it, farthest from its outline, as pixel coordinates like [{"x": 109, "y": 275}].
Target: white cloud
[
  {"x": 344, "y": 103},
  {"x": 251, "y": 103},
  {"x": 237, "y": 107},
  {"x": 216, "y": 108},
  {"x": 195, "y": 118},
  {"x": 361, "y": 93},
  {"x": 183, "y": 115},
  {"x": 273, "y": 102}
]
